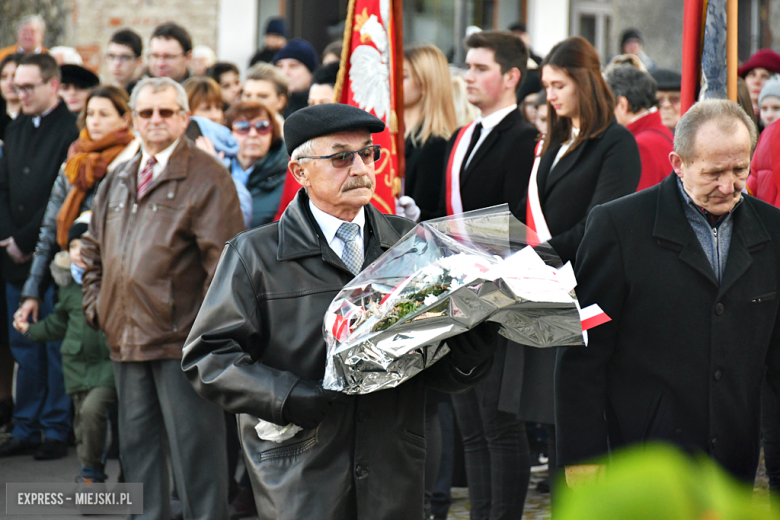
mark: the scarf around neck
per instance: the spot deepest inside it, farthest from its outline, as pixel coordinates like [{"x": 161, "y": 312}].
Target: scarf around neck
[{"x": 84, "y": 169}]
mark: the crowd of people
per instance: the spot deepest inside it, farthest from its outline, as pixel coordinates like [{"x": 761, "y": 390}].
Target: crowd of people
[{"x": 130, "y": 320}]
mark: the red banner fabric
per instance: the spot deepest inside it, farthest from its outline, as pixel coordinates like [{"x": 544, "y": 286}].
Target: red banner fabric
[{"x": 367, "y": 81}]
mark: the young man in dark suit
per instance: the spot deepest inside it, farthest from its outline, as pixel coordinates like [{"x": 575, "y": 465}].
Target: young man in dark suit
[
  {"x": 489, "y": 163},
  {"x": 490, "y": 160},
  {"x": 36, "y": 144}
]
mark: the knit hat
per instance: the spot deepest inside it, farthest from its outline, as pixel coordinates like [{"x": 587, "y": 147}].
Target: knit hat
[
  {"x": 765, "y": 59},
  {"x": 300, "y": 50},
  {"x": 770, "y": 88},
  {"x": 667, "y": 79},
  {"x": 630, "y": 34},
  {"x": 275, "y": 26},
  {"x": 79, "y": 227}
]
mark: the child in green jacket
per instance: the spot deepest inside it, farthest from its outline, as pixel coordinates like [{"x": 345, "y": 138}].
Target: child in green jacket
[{"x": 86, "y": 363}]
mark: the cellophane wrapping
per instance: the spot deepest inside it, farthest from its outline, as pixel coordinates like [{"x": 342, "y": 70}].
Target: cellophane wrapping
[{"x": 442, "y": 278}]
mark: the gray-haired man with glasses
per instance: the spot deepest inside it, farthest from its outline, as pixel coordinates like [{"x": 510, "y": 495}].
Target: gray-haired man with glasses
[
  {"x": 257, "y": 349},
  {"x": 158, "y": 226}
]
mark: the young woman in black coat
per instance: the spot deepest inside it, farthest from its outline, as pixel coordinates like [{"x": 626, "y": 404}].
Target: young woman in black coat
[
  {"x": 587, "y": 159},
  {"x": 429, "y": 120}
]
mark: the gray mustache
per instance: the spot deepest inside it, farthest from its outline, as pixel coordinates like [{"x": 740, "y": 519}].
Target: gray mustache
[{"x": 358, "y": 182}]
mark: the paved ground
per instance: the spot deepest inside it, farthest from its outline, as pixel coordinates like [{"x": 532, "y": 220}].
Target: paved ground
[{"x": 25, "y": 469}]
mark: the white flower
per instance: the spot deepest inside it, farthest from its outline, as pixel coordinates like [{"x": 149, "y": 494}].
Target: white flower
[{"x": 430, "y": 300}]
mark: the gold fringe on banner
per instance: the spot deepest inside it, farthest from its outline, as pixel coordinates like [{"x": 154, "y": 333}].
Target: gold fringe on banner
[{"x": 345, "y": 50}]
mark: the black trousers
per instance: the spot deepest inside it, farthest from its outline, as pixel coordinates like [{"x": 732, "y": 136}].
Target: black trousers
[{"x": 495, "y": 447}]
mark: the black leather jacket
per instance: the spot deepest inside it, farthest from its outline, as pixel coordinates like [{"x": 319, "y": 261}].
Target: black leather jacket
[
  {"x": 260, "y": 330},
  {"x": 39, "y": 278}
]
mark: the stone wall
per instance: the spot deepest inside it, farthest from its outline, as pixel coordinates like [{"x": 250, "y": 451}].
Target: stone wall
[{"x": 88, "y": 24}]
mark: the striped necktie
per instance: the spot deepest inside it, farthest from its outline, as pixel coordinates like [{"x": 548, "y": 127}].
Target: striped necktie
[{"x": 145, "y": 177}]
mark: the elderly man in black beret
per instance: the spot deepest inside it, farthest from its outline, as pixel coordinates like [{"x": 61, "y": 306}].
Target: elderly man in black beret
[{"x": 257, "y": 347}]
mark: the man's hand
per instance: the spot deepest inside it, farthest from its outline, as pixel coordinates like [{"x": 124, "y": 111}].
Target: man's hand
[
  {"x": 472, "y": 348},
  {"x": 577, "y": 476},
  {"x": 21, "y": 325},
  {"x": 29, "y": 306},
  {"x": 13, "y": 250},
  {"x": 308, "y": 404}
]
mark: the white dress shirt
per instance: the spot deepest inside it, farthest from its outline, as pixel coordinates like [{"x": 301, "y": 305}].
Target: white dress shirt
[
  {"x": 488, "y": 124},
  {"x": 162, "y": 160},
  {"x": 330, "y": 224}
]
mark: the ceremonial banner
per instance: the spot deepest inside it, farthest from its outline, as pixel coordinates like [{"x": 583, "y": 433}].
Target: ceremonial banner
[{"x": 370, "y": 79}]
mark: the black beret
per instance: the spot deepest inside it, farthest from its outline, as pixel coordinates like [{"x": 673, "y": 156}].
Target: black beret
[
  {"x": 330, "y": 118},
  {"x": 667, "y": 79},
  {"x": 78, "y": 76}
]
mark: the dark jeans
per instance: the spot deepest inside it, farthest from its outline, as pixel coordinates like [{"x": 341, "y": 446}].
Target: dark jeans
[
  {"x": 441, "y": 498},
  {"x": 41, "y": 402},
  {"x": 495, "y": 447}
]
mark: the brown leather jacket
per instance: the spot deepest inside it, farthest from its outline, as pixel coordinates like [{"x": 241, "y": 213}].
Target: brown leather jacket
[{"x": 150, "y": 263}]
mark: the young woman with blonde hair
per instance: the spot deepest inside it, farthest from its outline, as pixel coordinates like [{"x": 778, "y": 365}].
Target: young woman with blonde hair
[{"x": 429, "y": 119}]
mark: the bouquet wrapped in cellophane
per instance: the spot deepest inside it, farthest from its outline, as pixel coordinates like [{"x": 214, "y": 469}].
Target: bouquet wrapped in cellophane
[{"x": 444, "y": 277}]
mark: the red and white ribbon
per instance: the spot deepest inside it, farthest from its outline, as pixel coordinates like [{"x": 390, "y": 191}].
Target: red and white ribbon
[
  {"x": 534, "y": 217},
  {"x": 457, "y": 156}
]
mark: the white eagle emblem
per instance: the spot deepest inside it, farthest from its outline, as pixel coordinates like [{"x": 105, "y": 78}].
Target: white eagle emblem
[{"x": 369, "y": 72}]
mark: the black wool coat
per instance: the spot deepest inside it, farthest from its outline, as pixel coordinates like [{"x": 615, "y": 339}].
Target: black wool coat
[
  {"x": 31, "y": 161},
  {"x": 601, "y": 169},
  {"x": 684, "y": 356},
  {"x": 500, "y": 168},
  {"x": 425, "y": 164},
  {"x": 260, "y": 330}
]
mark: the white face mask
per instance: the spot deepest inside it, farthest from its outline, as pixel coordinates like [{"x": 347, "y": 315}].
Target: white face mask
[{"x": 77, "y": 273}]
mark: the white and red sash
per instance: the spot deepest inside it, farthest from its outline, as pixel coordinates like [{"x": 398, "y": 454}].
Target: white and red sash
[
  {"x": 457, "y": 156},
  {"x": 534, "y": 217}
]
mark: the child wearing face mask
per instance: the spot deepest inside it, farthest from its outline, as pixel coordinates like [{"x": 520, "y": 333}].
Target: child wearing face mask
[{"x": 86, "y": 363}]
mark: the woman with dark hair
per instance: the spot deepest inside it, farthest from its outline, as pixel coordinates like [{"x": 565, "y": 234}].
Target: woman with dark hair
[
  {"x": 261, "y": 161},
  {"x": 106, "y": 141},
  {"x": 587, "y": 159},
  {"x": 10, "y": 104}
]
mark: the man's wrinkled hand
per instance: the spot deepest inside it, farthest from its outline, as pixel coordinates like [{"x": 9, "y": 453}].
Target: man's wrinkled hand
[
  {"x": 13, "y": 250},
  {"x": 583, "y": 474}
]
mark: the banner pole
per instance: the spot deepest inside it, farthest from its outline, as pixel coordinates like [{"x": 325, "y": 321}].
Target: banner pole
[{"x": 732, "y": 57}]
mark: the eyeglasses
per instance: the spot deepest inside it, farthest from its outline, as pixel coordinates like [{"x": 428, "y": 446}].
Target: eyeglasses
[
  {"x": 369, "y": 154},
  {"x": 673, "y": 99},
  {"x": 27, "y": 89},
  {"x": 165, "y": 113},
  {"x": 243, "y": 127},
  {"x": 165, "y": 57},
  {"x": 124, "y": 58}
]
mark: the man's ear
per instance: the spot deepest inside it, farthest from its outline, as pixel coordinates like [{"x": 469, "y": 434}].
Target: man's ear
[
  {"x": 513, "y": 76},
  {"x": 677, "y": 163},
  {"x": 299, "y": 174}
]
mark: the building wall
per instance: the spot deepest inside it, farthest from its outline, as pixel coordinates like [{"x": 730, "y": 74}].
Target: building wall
[
  {"x": 661, "y": 27},
  {"x": 93, "y": 22}
]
